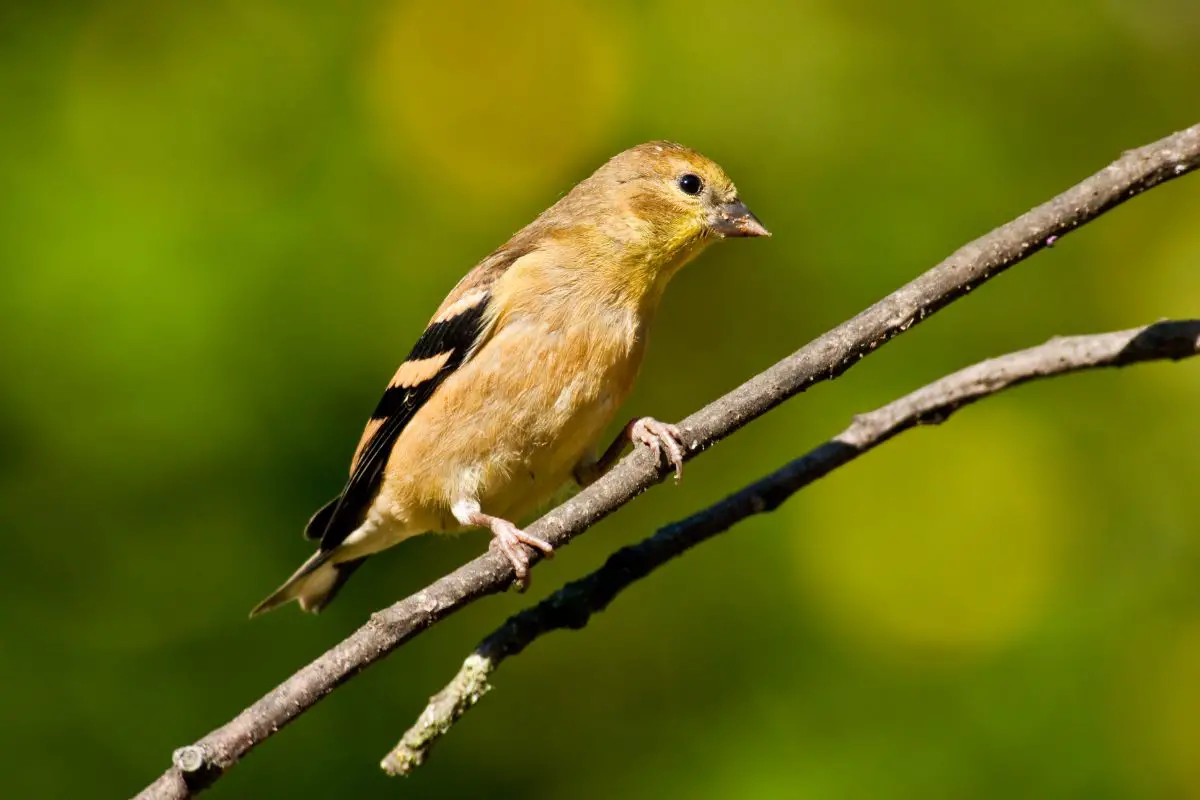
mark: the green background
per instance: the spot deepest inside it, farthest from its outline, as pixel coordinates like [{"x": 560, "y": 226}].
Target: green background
[{"x": 223, "y": 224}]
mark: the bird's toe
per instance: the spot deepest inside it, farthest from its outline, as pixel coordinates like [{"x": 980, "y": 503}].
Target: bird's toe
[{"x": 663, "y": 439}]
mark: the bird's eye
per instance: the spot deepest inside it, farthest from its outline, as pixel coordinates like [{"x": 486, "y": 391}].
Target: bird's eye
[{"x": 690, "y": 184}]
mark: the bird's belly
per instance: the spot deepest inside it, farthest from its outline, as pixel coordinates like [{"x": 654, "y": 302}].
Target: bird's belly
[
  {"x": 531, "y": 469},
  {"x": 508, "y": 428}
]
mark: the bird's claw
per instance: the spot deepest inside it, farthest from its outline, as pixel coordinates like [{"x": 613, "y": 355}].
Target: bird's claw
[
  {"x": 511, "y": 541},
  {"x": 663, "y": 439}
]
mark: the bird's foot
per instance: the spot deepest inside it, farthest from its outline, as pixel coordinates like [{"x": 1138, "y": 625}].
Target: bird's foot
[
  {"x": 512, "y": 541},
  {"x": 506, "y": 537},
  {"x": 663, "y": 439}
]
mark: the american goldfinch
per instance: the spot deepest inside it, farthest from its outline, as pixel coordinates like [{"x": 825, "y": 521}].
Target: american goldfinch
[{"x": 526, "y": 361}]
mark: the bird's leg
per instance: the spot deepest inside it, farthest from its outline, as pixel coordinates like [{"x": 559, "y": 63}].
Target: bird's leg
[
  {"x": 506, "y": 536},
  {"x": 663, "y": 439}
]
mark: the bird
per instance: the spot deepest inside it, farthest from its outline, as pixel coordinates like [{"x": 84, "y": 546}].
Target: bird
[{"x": 501, "y": 402}]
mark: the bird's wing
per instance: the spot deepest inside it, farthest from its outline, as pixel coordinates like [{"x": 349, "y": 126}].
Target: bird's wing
[{"x": 454, "y": 334}]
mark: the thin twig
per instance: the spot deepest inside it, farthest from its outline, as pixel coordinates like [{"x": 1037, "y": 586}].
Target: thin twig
[
  {"x": 197, "y": 766},
  {"x": 573, "y": 605}
]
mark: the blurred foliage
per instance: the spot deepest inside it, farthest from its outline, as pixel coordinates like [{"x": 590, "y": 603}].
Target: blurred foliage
[{"x": 222, "y": 223}]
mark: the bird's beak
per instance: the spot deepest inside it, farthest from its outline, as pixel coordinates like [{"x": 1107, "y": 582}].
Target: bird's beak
[{"x": 734, "y": 219}]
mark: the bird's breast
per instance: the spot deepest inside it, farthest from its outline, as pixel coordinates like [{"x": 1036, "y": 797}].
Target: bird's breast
[{"x": 510, "y": 425}]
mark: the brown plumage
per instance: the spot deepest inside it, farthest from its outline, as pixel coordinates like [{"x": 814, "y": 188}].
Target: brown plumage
[{"x": 522, "y": 367}]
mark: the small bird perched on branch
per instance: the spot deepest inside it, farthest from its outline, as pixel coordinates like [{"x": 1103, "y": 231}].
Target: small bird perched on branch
[{"x": 526, "y": 361}]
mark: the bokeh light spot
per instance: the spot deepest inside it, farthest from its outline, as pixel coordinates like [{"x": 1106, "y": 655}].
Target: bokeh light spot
[
  {"x": 1157, "y": 704},
  {"x": 938, "y": 544},
  {"x": 499, "y": 98}
]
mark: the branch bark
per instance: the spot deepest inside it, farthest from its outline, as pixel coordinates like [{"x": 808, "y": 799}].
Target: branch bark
[
  {"x": 196, "y": 766},
  {"x": 573, "y": 605}
]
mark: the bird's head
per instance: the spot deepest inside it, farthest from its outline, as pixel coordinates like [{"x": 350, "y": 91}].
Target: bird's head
[
  {"x": 676, "y": 191},
  {"x": 639, "y": 218},
  {"x": 664, "y": 203}
]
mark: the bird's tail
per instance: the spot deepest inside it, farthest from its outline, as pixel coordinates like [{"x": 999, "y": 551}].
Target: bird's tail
[{"x": 313, "y": 585}]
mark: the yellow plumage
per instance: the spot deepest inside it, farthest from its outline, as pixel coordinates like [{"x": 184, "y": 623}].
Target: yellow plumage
[{"x": 525, "y": 364}]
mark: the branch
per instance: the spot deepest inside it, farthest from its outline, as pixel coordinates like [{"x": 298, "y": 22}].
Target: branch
[
  {"x": 198, "y": 765},
  {"x": 573, "y": 605}
]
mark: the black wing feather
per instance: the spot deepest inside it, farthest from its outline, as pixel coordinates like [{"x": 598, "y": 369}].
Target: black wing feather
[
  {"x": 396, "y": 408},
  {"x": 319, "y": 521}
]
